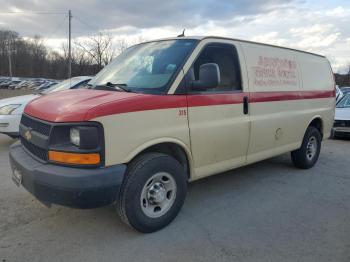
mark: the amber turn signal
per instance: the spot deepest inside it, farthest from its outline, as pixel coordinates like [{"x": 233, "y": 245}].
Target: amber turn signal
[{"x": 74, "y": 158}]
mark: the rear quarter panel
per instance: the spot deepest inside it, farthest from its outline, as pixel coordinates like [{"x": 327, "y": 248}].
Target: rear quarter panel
[
  {"x": 317, "y": 75},
  {"x": 288, "y": 90}
]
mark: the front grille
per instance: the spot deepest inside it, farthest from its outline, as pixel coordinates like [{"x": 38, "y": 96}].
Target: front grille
[
  {"x": 36, "y": 125},
  {"x": 39, "y": 127},
  {"x": 35, "y": 150},
  {"x": 342, "y": 123}
]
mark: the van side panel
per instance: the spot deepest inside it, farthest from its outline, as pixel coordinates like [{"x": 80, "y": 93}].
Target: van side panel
[
  {"x": 266, "y": 68},
  {"x": 279, "y": 120}
]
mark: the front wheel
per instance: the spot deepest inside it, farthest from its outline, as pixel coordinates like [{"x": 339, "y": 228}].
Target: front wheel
[
  {"x": 153, "y": 192},
  {"x": 307, "y": 155}
]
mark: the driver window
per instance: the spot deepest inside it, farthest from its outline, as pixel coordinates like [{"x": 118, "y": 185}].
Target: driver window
[{"x": 225, "y": 56}]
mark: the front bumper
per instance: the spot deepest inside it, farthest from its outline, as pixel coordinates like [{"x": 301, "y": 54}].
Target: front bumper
[
  {"x": 67, "y": 186},
  {"x": 9, "y": 124},
  {"x": 341, "y": 130}
]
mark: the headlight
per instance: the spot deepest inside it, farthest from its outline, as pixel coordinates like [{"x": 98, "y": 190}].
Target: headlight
[
  {"x": 75, "y": 136},
  {"x": 75, "y": 144},
  {"x": 85, "y": 137},
  {"x": 8, "y": 109}
]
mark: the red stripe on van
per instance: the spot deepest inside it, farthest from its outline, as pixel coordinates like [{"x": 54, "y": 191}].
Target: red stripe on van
[
  {"x": 137, "y": 104},
  {"x": 84, "y": 105},
  {"x": 215, "y": 99},
  {"x": 256, "y": 97}
]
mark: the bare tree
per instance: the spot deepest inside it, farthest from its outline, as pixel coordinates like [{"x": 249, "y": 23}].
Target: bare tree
[
  {"x": 121, "y": 45},
  {"x": 99, "y": 48},
  {"x": 7, "y": 47},
  {"x": 30, "y": 57}
]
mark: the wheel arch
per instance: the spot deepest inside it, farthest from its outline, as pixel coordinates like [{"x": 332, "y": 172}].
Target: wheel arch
[
  {"x": 317, "y": 122},
  {"x": 170, "y": 146}
]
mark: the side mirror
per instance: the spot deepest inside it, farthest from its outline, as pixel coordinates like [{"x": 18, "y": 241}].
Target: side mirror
[{"x": 209, "y": 77}]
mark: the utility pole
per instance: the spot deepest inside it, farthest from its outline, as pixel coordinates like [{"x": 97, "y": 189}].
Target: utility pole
[
  {"x": 69, "y": 44},
  {"x": 9, "y": 51}
]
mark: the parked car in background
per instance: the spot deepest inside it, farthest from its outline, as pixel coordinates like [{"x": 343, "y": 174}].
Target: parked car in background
[
  {"x": 4, "y": 84},
  {"x": 341, "y": 125},
  {"x": 4, "y": 79},
  {"x": 339, "y": 93},
  {"x": 45, "y": 85},
  {"x": 345, "y": 89},
  {"x": 11, "y": 109},
  {"x": 26, "y": 83},
  {"x": 17, "y": 84},
  {"x": 14, "y": 83},
  {"x": 10, "y": 82}
]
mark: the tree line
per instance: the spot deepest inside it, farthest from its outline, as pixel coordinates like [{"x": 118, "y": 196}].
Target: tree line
[
  {"x": 342, "y": 79},
  {"x": 30, "y": 57}
]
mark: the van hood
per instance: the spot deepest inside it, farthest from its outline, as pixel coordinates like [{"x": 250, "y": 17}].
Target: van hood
[
  {"x": 88, "y": 104},
  {"x": 78, "y": 105}
]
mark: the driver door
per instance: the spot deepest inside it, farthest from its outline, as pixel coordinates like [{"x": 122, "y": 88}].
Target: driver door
[{"x": 219, "y": 125}]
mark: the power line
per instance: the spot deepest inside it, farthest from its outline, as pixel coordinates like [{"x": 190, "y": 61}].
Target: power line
[
  {"x": 93, "y": 28},
  {"x": 34, "y": 12},
  {"x": 58, "y": 26}
]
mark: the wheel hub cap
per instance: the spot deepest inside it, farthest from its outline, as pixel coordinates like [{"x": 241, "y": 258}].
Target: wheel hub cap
[
  {"x": 311, "y": 148},
  {"x": 158, "y": 194}
]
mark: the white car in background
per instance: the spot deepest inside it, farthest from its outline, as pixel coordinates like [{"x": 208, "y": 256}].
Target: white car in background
[
  {"x": 339, "y": 93},
  {"x": 11, "y": 109},
  {"x": 341, "y": 125}
]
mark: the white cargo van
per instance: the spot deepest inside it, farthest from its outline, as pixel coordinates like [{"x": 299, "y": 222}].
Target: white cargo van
[{"x": 167, "y": 112}]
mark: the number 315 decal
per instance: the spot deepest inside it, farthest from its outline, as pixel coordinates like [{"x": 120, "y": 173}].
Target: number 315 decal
[{"x": 182, "y": 112}]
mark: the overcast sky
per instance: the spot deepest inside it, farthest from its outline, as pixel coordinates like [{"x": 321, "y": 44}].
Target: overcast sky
[{"x": 321, "y": 26}]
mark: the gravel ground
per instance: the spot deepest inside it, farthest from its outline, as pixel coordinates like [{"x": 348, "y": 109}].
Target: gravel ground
[{"x": 269, "y": 211}]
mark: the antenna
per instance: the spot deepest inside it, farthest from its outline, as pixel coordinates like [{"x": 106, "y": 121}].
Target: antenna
[{"x": 183, "y": 33}]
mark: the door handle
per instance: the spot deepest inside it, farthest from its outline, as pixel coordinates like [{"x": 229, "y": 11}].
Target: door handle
[{"x": 245, "y": 105}]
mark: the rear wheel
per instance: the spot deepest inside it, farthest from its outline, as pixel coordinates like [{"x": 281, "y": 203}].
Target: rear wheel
[
  {"x": 153, "y": 192},
  {"x": 307, "y": 155}
]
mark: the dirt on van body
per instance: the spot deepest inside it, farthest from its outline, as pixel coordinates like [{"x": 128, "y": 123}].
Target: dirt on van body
[{"x": 269, "y": 211}]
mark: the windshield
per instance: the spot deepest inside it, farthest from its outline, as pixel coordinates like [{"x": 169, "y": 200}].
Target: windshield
[
  {"x": 344, "y": 102},
  {"x": 64, "y": 85},
  {"x": 147, "y": 68}
]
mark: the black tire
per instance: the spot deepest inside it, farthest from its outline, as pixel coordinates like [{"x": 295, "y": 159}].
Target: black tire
[
  {"x": 302, "y": 157},
  {"x": 138, "y": 173}
]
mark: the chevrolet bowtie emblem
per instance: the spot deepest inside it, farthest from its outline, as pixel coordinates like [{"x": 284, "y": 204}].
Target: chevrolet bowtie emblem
[{"x": 28, "y": 135}]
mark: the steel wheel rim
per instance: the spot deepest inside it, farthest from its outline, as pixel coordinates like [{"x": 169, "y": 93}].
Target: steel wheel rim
[
  {"x": 158, "y": 195},
  {"x": 311, "y": 148}
]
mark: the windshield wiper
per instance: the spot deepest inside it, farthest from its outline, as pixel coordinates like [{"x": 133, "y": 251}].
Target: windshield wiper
[
  {"x": 122, "y": 87},
  {"x": 112, "y": 86},
  {"x": 89, "y": 86}
]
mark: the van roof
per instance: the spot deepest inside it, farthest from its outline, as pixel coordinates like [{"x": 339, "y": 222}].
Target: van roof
[{"x": 235, "y": 39}]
